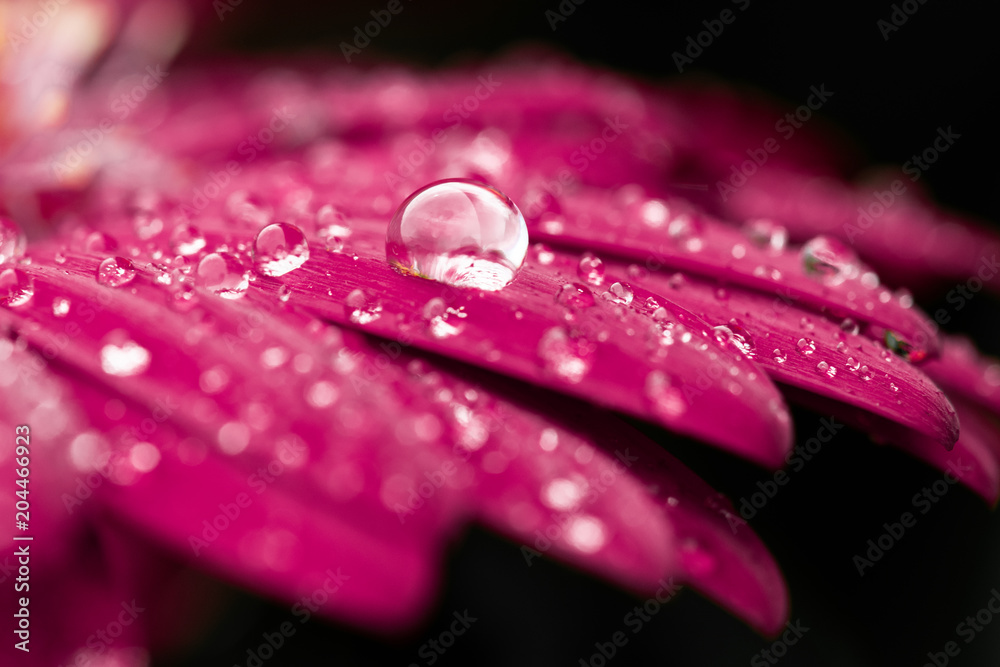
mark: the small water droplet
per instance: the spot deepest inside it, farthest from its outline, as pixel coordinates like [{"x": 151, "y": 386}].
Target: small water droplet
[
  {"x": 865, "y": 374},
  {"x": 902, "y": 348},
  {"x": 16, "y": 288},
  {"x": 223, "y": 274},
  {"x": 829, "y": 259},
  {"x": 363, "y": 310},
  {"x": 591, "y": 269},
  {"x": 904, "y": 297},
  {"x": 125, "y": 359},
  {"x": 667, "y": 399},
  {"x": 853, "y": 364},
  {"x": 826, "y": 369},
  {"x": 842, "y": 347},
  {"x": 60, "y": 306},
  {"x": 458, "y": 232},
  {"x": 543, "y": 254},
  {"x": 619, "y": 293},
  {"x": 12, "y": 241},
  {"x": 567, "y": 358},
  {"x": 284, "y": 293},
  {"x": 766, "y": 234},
  {"x": 115, "y": 272},
  {"x": 146, "y": 224},
  {"x": 677, "y": 281},
  {"x": 443, "y": 321},
  {"x": 186, "y": 240},
  {"x": 850, "y": 326},
  {"x": 892, "y": 385},
  {"x": 869, "y": 280},
  {"x": 98, "y": 242},
  {"x": 806, "y": 346},
  {"x": 779, "y": 357},
  {"x": 575, "y": 296},
  {"x": 279, "y": 248}
]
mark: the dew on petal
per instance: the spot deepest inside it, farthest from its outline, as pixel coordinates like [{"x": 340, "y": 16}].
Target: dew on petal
[
  {"x": 16, "y": 288},
  {"x": 567, "y": 358},
  {"x": 223, "y": 274},
  {"x": 233, "y": 437},
  {"x": 778, "y": 356},
  {"x": 115, "y": 272},
  {"x": 853, "y": 364},
  {"x": 830, "y": 260},
  {"x": 575, "y": 296},
  {"x": 549, "y": 439},
  {"x": 186, "y": 240},
  {"x": 362, "y": 309},
  {"x": 666, "y": 398},
  {"x": 766, "y": 234},
  {"x": 591, "y": 270},
  {"x": 124, "y": 360},
  {"x": 144, "y": 456},
  {"x": 60, "y": 306},
  {"x": 806, "y": 346},
  {"x": 564, "y": 495},
  {"x": 279, "y": 248},
  {"x": 736, "y": 335},
  {"x": 443, "y": 321},
  {"x": 586, "y": 533},
  {"x": 850, "y": 326},
  {"x": 458, "y": 232},
  {"x": 620, "y": 293},
  {"x": 12, "y": 241},
  {"x": 826, "y": 369},
  {"x": 902, "y": 348},
  {"x": 543, "y": 254},
  {"x": 865, "y": 373}
]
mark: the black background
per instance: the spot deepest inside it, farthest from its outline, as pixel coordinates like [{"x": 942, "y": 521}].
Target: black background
[{"x": 937, "y": 70}]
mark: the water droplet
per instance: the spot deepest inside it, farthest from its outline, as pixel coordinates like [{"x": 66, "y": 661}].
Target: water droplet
[
  {"x": 146, "y": 224},
  {"x": 125, "y": 359},
  {"x": 586, "y": 533},
  {"x": 853, "y": 364},
  {"x": 667, "y": 399},
  {"x": 16, "y": 288},
  {"x": 842, "y": 347},
  {"x": 458, "y": 232},
  {"x": 362, "y": 309},
  {"x": 115, "y": 272},
  {"x": 443, "y": 321},
  {"x": 567, "y": 358},
  {"x": 829, "y": 259},
  {"x": 12, "y": 241},
  {"x": 869, "y": 280},
  {"x": 902, "y": 348},
  {"x": 543, "y": 254},
  {"x": 806, "y": 324},
  {"x": 654, "y": 213},
  {"x": 865, "y": 374},
  {"x": 904, "y": 297},
  {"x": 186, "y": 240},
  {"x": 619, "y": 293},
  {"x": 98, "y": 242},
  {"x": 739, "y": 251},
  {"x": 563, "y": 494},
  {"x": 779, "y": 357},
  {"x": 826, "y": 369},
  {"x": 766, "y": 234},
  {"x": 60, "y": 306},
  {"x": 850, "y": 326},
  {"x": 806, "y": 346},
  {"x": 591, "y": 269},
  {"x": 677, "y": 281},
  {"x": 223, "y": 274},
  {"x": 279, "y": 249},
  {"x": 892, "y": 385},
  {"x": 575, "y": 296},
  {"x": 735, "y": 334}
]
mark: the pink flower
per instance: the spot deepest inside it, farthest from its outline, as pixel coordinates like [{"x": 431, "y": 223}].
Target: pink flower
[{"x": 214, "y": 358}]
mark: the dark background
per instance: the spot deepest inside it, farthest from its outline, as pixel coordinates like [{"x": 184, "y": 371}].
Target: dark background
[{"x": 938, "y": 69}]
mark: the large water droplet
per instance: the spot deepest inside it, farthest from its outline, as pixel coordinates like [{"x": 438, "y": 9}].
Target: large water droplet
[
  {"x": 902, "y": 348},
  {"x": 736, "y": 335},
  {"x": 12, "y": 241},
  {"x": 16, "y": 288},
  {"x": 223, "y": 274},
  {"x": 829, "y": 259},
  {"x": 115, "y": 272},
  {"x": 279, "y": 248},
  {"x": 458, "y": 232}
]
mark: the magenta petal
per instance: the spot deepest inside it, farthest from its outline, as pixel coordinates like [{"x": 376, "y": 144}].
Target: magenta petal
[
  {"x": 964, "y": 372},
  {"x": 938, "y": 247},
  {"x": 693, "y": 242},
  {"x": 808, "y": 351}
]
